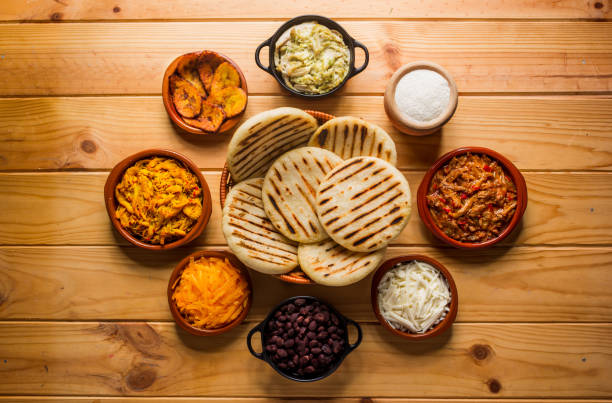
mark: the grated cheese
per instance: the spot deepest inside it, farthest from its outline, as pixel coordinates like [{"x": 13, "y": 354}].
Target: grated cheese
[{"x": 413, "y": 296}]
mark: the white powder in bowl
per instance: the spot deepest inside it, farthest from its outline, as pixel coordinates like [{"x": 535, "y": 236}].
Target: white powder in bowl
[{"x": 422, "y": 95}]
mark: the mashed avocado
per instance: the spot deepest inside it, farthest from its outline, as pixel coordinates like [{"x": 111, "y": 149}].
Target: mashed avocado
[{"x": 312, "y": 58}]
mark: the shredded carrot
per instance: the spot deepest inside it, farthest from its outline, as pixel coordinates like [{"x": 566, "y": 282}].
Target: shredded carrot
[{"x": 211, "y": 292}]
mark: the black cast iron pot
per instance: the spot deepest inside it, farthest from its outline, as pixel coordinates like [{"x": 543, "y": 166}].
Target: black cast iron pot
[
  {"x": 344, "y": 322},
  {"x": 348, "y": 40}
]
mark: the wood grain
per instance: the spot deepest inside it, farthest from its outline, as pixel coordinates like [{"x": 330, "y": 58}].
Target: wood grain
[
  {"x": 58, "y": 208},
  {"x": 43, "y": 10},
  {"x": 130, "y": 58},
  {"x": 79, "y": 399},
  {"x": 476, "y": 360},
  {"x": 523, "y": 284},
  {"x": 569, "y": 133}
]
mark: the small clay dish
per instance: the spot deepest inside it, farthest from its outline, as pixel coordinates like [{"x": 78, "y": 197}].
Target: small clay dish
[
  {"x": 509, "y": 168},
  {"x": 453, "y": 306},
  {"x": 176, "y": 273},
  {"x": 404, "y": 123},
  {"x": 176, "y": 118},
  {"x": 115, "y": 177}
]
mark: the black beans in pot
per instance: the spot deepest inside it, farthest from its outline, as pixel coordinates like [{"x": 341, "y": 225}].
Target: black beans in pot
[{"x": 304, "y": 338}]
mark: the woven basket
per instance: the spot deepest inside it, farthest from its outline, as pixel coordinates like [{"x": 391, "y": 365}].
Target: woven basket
[{"x": 296, "y": 276}]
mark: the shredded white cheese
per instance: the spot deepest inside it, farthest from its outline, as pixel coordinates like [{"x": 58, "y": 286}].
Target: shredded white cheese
[
  {"x": 413, "y": 296},
  {"x": 422, "y": 95}
]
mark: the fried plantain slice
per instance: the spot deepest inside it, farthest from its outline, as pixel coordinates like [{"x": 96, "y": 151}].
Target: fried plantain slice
[
  {"x": 210, "y": 119},
  {"x": 186, "y": 98},
  {"x": 225, "y": 76},
  {"x": 207, "y": 64},
  {"x": 188, "y": 69},
  {"x": 232, "y": 99}
]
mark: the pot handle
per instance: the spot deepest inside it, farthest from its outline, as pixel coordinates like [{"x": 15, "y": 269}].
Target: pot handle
[
  {"x": 258, "y": 50},
  {"x": 256, "y": 329},
  {"x": 357, "y": 70},
  {"x": 359, "y": 334}
]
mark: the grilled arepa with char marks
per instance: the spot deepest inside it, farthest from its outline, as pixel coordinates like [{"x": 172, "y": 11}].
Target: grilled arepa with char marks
[
  {"x": 328, "y": 263},
  {"x": 265, "y": 137},
  {"x": 351, "y": 137},
  {"x": 364, "y": 203},
  {"x": 250, "y": 234},
  {"x": 290, "y": 189}
]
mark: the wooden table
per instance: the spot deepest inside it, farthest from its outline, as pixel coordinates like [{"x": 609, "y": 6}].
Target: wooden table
[{"x": 83, "y": 315}]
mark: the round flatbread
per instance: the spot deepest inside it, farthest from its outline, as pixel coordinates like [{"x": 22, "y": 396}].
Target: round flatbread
[
  {"x": 290, "y": 188},
  {"x": 250, "y": 234},
  {"x": 364, "y": 203},
  {"x": 264, "y": 137},
  {"x": 328, "y": 263},
  {"x": 350, "y": 137}
]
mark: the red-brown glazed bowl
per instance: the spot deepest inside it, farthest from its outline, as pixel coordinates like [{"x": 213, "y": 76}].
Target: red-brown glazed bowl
[
  {"x": 110, "y": 201},
  {"x": 437, "y": 329},
  {"x": 169, "y": 105},
  {"x": 509, "y": 169},
  {"x": 176, "y": 273}
]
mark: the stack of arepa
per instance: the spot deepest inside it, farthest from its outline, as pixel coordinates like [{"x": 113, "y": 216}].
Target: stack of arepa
[{"x": 327, "y": 199}]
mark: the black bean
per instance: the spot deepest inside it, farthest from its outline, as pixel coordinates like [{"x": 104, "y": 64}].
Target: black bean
[
  {"x": 279, "y": 341},
  {"x": 305, "y": 359},
  {"x": 300, "y": 301},
  {"x": 271, "y": 348},
  {"x": 293, "y": 316},
  {"x": 277, "y": 314},
  {"x": 340, "y": 331},
  {"x": 299, "y": 320},
  {"x": 312, "y": 326},
  {"x": 311, "y": 335},
  {"x": 290, "y": 308},
  {"x": 290, "y": 352},
  {"x": 282, "y": 365},
  {"x": 290, "y": 364},
  {"x": 282, "y": 318},
  {"x": 307, "y": 320},
  {"x": 281, "y": 353},
  {"x": 309, "y": 369},
  {"x": 313, "y": 343},
  {"x": 295, "y": 359},
  {"x": 335, "y": 336},
  {"x": 279, "y": 324},
  {"x": 335, "y": 319},
  {"x": 289, "y": 343},
  {"x": 322, "y": 335},
  {"x": 326, "y": 349},
  {"x": 291, "y": 333},
  {"x": 332, "y": 329},
  {"x": 316, "y": 350},
  {"x": 337, "y": 348},
  {"x": 315, "y": 362},
  {"x": 319, "y": 317},
  {"x": 320, "y": 328}
]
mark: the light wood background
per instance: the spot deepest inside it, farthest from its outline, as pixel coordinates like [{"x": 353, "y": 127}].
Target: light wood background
[{"x": 83, "y": 315}]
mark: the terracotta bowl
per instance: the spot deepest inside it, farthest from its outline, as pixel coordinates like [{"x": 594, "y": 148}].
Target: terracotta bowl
[
  {"x": 115, "y": 177},
  {"x": 437, "y": 329},
  {"x": 296, "y": 276},
  {"x": 509, "y": 168},
  {"x": 178, "y": 270},
  {"x": 410, "y": 126},
  {"x": 169, "y": 105}
]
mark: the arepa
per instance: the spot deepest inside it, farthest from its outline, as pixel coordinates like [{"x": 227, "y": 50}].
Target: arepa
[
  {"x": 250, "y": 234},
  {"x": 364, "y": 203},
  {"x": 290, "y": 188},
  {"x": 264, "y": 137},
  {"x": 350, "y": 137},
  {"x": 328, "y": 263}
]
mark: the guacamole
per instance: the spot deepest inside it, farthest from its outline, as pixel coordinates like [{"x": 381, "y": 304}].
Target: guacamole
[{"x": 312, "y": 58}]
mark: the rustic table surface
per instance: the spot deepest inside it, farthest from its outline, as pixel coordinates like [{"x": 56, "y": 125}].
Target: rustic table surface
[{"x": 83, "y": 315}]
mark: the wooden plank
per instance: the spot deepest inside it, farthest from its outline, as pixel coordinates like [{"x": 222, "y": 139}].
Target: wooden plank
[
  {"x": 95, "y": 10},
  {"x": 140, "y": 359},
  {"x": 569, "y": 133},
  {"x": 130, "y": 58},
  {"x": 79, "y": 399},
  {"x": 523, "y": 284},
  {"x": 59, "y": 208}
]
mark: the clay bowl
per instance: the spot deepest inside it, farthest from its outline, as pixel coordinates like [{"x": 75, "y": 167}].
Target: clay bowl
[
  {"x": 509, "y": 168},
  {"x": 296, "y": 276},
  {"x": 405, "y": 124},
  {"x": 178, "y": 270},
  {"x": 169, "y": 105},
  {"x": 437, "y": 329},
  {"x": 115, "y": 177}
]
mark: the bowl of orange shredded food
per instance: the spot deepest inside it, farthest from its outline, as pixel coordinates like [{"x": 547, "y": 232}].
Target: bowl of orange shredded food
[
  {"x": 472, "y": 197},
  {"x": 157, "y": 199},
  {"x": 209, "y": 292}
]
